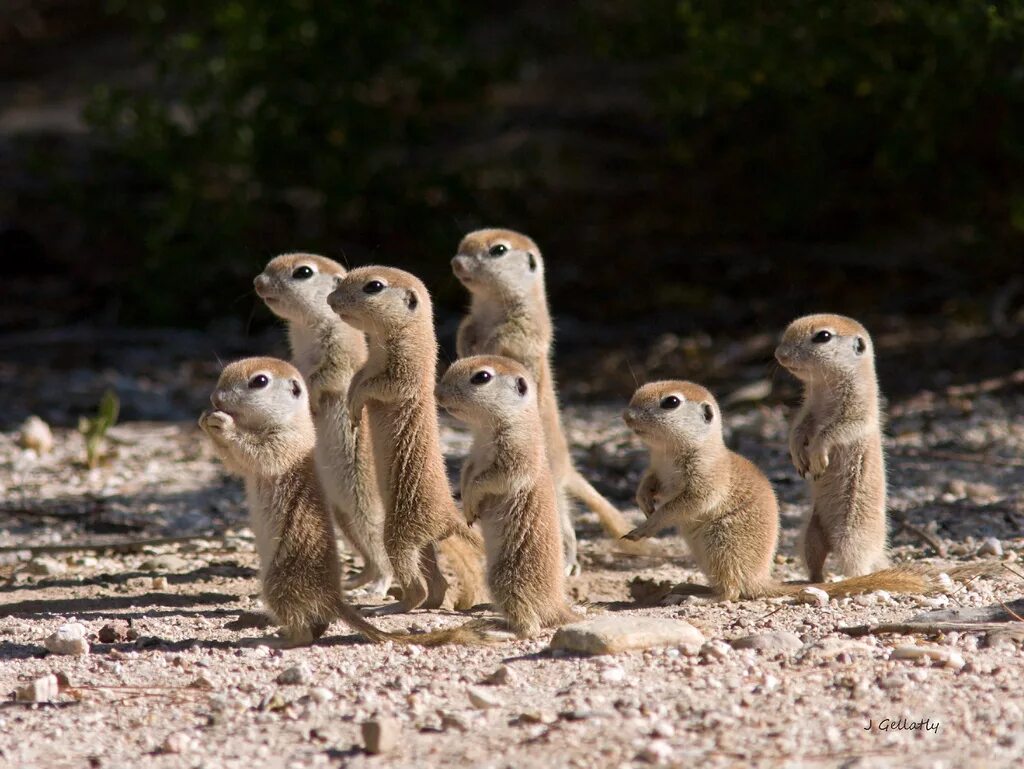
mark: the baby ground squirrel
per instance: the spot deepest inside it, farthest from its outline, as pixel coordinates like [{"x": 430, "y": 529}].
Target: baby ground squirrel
[
  {"x": 262, "y": 429},
  {"x": 328, "y": 352},
  {"x": 504, "y": 273},
  {"x": 506, "y": 485},
  {"x": 396, "y": 387},
  {"x": 720, "y": 502},
  {"x": 836, "y": 439}
]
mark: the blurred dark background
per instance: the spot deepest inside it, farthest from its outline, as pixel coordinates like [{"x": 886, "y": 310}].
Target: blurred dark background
[{"x": 696, "y": 173}]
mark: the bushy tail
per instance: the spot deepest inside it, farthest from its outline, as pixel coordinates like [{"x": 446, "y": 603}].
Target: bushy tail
[
  {"x": 468, "y": 634},
  {"x": 464, "y": 549},
  {"x": 908, "y": 580}
]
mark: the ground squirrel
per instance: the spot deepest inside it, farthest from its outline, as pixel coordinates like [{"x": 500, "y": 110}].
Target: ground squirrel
[
  {"x": 507, "y": 485},
  {"x": 396, "y": 386},
  {"x": 328, "y": 352},
  {"x": 721, "y": 503},
  {"x": 836, "y": 439},
  {"x": 504, "y": 273},
  {"x": 262, "y": 429}
]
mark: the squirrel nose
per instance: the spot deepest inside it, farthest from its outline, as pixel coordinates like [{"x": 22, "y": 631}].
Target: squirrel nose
[{"x": 217, "y": 401}]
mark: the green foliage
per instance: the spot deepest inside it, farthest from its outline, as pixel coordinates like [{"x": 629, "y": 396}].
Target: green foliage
[
  {"x": 274, "y": 125},
  {"x": 94, "y": 429},
  {"x": 804, "y": 117}
]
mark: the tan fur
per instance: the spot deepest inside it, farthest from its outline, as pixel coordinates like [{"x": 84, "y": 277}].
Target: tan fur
[
  {"x": 509, "y": 316},
  {"x": 266, "y": 435},
  {"x": 328, "y": 352},
  {"x": 396, "y": 387},
  {"x": 507, "y": 486},
  {"x": 836, "y": 439},
  {"x": 720, "y": 502}
]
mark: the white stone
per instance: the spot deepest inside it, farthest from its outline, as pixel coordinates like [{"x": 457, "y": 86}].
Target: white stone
[
  {"x": 36, "y": 435},
  {"x": 776, "y": 641},
  {"x": 715, "y": 650},
  {"x": 68, "y": 639},
  {"x": 44, "y": 689},
  {"x": 949, "y": 658},
  {"x": 657, "y": 752},
  {"x": 299, "y": 675},
  {"x": 613, "y": 675},
  {"x": 813, "y": 595},
  {"x": 991, "y": 546},
  {"x": 481, "y": 699},
  {"x": 380, "y": 735}
]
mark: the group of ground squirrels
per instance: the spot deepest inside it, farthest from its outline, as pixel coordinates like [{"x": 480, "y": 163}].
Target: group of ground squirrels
[{"x": 348, "y": 432}]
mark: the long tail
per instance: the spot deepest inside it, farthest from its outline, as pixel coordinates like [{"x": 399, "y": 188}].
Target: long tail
[
  {"x": 468, "y": 634},
  {"x": 464, "y": 549},
  {"x": 909, "y": 580},
  {"x": 612, "y": 520}
]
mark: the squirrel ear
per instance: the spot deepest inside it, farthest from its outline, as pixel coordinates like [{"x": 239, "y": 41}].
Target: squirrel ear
[
  {"x": 296, "y": 388},
  {"x": 533, "y": 261},
  {"x": 709, "y": 413},
  {"x": 521, "y": 386},
  {"x": 411, "y": 300},
  {"x": 859, "y": 345}
]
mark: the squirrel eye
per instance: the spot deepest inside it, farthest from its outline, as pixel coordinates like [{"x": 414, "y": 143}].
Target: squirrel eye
[
  {"x": 303, "y": 272},
  {"x": 373, "y": 287},
  {"x": 670, "y": 402},
  {"x": 258, "y": 382},
  {"x": 821, "y": 337},
  {"x": 481, "y": 377},
  {"x": 498, "y": 250}
]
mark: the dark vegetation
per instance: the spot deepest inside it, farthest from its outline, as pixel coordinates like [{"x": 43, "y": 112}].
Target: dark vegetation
[{"x": 690, "y": 165}]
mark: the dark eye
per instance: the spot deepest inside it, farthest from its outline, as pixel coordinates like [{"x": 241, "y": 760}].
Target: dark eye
[
  {"x": 499, "y": 250},
  {"x": 481, "y": 377},
  {"x": 303, "y": 272},
  {"x": 258, "y": 382},
  {"x": 373, "y": 287},
  {"x": 670, "y": 402},
  {"x": 821, "y": 337},
  {"x": 709, "y": 413}
]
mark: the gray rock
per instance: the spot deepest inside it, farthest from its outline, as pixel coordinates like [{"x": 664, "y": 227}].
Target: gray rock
[
  {"x": 380, "y": 735},
  {"x": 991, "y": 546},
  {"x": 68, "y": 639},
  {"x": 500, "y": 677},
  {"x": 299, "y": 675},
  {"x": 778, "y": 641},
  {"x": 611, "y": 634},
  {"x": 114, "y": 632}
]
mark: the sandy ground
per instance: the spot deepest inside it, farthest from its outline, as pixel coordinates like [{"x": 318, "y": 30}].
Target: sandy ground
[{"x": 189, "y": 692}]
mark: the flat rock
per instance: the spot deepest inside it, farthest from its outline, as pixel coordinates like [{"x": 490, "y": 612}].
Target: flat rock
[
  {"x": 612, "y": 634},
  {"x": 169, "y": 562},
  {"x": 778, "y": 641},
  {"x": 299, "y": 675},
  {"x": 68, "y": 639}
]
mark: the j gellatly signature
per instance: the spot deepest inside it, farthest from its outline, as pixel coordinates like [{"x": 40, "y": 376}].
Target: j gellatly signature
[{"x": 902, "y": 725}]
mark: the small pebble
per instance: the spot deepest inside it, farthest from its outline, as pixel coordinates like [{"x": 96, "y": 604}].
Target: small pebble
[
  {"x": 813, "y": 595},
  {"x": 68, "y": 639},
  {"x": 159, "y": 583},
  {"x": 44, "y": 689},
  {"x": 991, "y": 546},
  {"x": 481, "y": 699},
  {"x": 380, "y": 735},
  {"x": 299, "y": 675},
  {"x": 503, "y": 675},
  {"x": 35, "y": 434},
  {"x": 320, "y": 695},
  {"x": 949, "y": 658},
  {"x": 657, "y": 752},
  {"x": 613, "y": 675},
  {"x": 715, "y": 650},
  {"x": 113, "y": 632}
]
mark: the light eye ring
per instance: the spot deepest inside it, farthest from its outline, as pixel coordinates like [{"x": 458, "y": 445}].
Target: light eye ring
[
  {"x": 259, "y": 381},
  {"x": 303, "y": 272},
  {"x": 374, "y": 287},
  {"x": 481, "y": 377},
  {"x": 670, "y": 402},
  {"x": 498, "y": 249},
  {"x": 822, "y": 337}
]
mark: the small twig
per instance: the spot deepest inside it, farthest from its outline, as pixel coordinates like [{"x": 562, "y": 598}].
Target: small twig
[
  {"x": 936, "y": 544},
  {"x": 1010, "y": 611},
  {"x": 954, "y": 456},
  {"x": 929, "y": 628},
  {"x": 1013, "y": 571},
  {"x": 769, "y": 614}
]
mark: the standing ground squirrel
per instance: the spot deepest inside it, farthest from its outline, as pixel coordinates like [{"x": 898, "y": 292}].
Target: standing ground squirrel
[
  {"x": 504, "y": 273},
  {"x": 836, "y": 439},
  {"x": 721, "y": 503},
  {"x": 396, "y": 386},
  {"x": 328, "y": 352},
  {"x": 507, "y": 486},
  {"x": 262, "y": 429}
]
